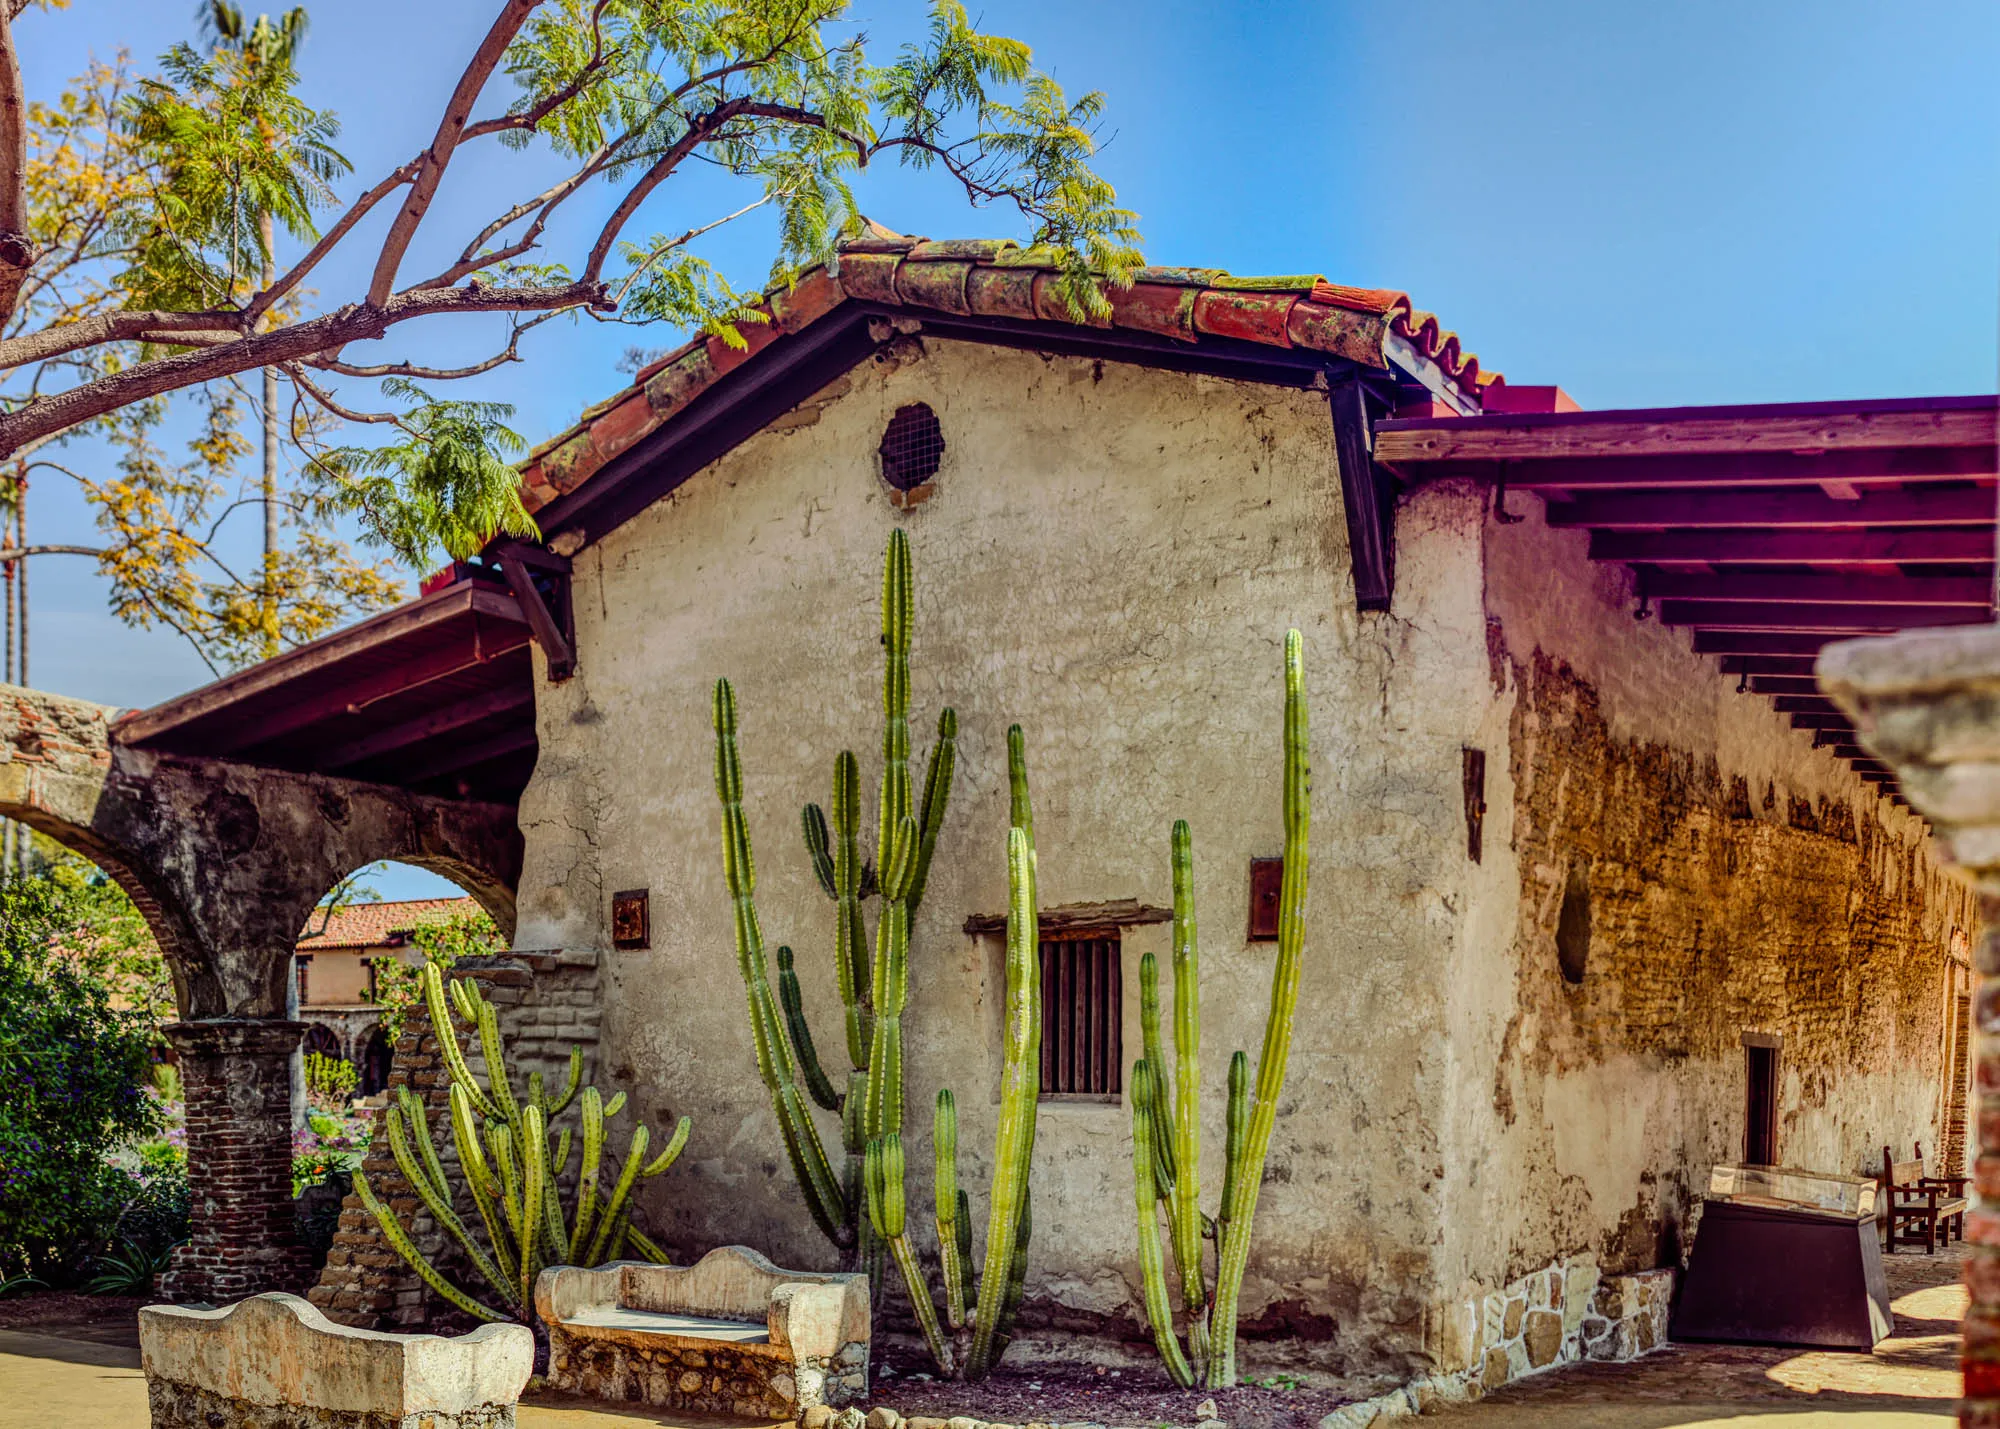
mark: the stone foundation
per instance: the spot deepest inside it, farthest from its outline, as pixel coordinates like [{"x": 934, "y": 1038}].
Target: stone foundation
[
  {"x": 548, "y": 1003},
  {"x": 180, "y": 1406},
  {"x": 749, "y": 1381}
]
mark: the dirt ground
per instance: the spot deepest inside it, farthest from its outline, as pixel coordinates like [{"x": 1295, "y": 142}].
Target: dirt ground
[{"x": 67, "y": 1362}]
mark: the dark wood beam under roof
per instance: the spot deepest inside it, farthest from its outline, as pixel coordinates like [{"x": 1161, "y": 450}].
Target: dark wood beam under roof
[
  {"x": 436, "y": 695},
  {"x": 1767, "y": 531}
]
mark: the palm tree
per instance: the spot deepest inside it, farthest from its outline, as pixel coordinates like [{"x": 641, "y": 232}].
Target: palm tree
[{"x": 255, "y": 47}]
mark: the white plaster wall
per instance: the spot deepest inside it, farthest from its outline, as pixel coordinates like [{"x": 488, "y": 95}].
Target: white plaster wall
[{"x": 1111, "y": 558}]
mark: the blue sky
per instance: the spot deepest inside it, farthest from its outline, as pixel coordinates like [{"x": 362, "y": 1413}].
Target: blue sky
[{"x": 1648, "y": 204}]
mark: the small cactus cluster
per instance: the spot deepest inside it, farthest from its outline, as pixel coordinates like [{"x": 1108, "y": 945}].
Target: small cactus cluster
[
  {"x": 1166, "y": 1105},
  {"x": 862, "y": 1211},
  {"x": 510, "y": 1170}
]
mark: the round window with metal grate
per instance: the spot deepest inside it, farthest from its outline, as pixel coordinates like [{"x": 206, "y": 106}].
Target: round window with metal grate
[{"x": 912, "y": 447}]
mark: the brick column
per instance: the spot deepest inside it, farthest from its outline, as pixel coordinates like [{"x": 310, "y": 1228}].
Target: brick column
[{"x": 238, "y": 1080}]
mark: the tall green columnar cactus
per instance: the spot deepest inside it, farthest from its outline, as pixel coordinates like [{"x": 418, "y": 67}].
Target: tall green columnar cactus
[
  {"x": 970, "y": 1339},
  {"x": 1166, "y": 1130},
  {"x": 512, "y": 1172},
  {"x": 873, "y": 990}
]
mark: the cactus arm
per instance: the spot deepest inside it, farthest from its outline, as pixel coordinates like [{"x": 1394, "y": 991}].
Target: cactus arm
[
  {"x": 560, "y": 1162},
  {"x": 774, "y": 1062},
  {"x": 801, "y": 1034},
  {"x": 436, "y": 1197},
  {"x": 1152, "y": 1263},
  {"x": 399, "y": 1241},
  {"x": 937, "y": 793},
  {"x": 500, "y": 1142},
  {"x": 850, "y": 934},
  {"x": 1184, "y": 1211},
  {"x": 635, "y": 1155},
  {"x": 447, "y": 1040},
  {"x": 1020, "y": 807},
  {"x": 480, "y": 1181},
  {"x": 892, "y": 986},
  {"x": 465, "y": 998},
  {"x": 534, "y": 1178},
  {"x": 946, "y": 1195},
  {"x": 586, "y": 1173},
  {"x": 812, "y": 822},
  {"x": 671, "y": 1153},
  {"x": 964, "y": 1245},
  {"x": 1234, "y": 1253},
  {"x": 1014, "y": 1139},
  {"x": 1158, "y": 1101},
  {"x": 886, "y": 1212},
  {"x": 1017, "y": 1277},
  {"x": 497, "y": 1084},
  {"x": 571, "y": 1087},
  {"x": 898, "y": 610},
  {"x": 553, "y": 1229}
]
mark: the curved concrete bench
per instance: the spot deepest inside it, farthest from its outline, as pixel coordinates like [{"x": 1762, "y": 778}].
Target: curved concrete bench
[
  {"x": 731, "y": 1333},
  {"x": 214, "y": 1369}
]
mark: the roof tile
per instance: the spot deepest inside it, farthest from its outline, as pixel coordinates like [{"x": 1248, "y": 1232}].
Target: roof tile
[
  {"x": 996, "y": 278},
  {"x": 374, "y": 925}
]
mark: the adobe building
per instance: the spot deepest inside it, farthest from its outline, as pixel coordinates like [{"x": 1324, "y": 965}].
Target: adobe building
[{"x": 1602, "y": 892}]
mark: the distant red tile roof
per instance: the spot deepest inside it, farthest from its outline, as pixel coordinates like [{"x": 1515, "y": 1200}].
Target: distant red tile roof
[
  {"x": 375, "y": 925},
  {"x": 996, "y": 278}
]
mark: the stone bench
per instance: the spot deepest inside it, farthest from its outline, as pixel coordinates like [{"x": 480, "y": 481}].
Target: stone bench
[
  {"x": 273, "y": 1360},
  {"x": 730, "y": 1334}
]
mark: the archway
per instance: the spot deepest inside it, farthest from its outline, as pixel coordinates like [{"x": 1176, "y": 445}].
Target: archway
[{"x": 376, "y": 1058}]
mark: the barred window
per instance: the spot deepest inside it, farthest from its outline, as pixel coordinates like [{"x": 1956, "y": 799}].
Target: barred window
[{"x": 1082, "y": 1014}]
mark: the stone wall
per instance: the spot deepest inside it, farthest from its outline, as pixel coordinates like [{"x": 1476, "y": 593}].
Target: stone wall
[
  {"x": 548, "y": 1003},
  {"x": 1669, "y": 866}
]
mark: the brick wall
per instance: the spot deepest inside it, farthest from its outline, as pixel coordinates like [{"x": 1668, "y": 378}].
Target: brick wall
[{"x": 548, "y": 1003}]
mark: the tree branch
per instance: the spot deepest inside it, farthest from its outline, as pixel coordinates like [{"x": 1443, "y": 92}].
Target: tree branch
[
  {"x": 528, "y": 118},
  {"x": 356, "y": 322},
  {"x": 17, "y": 248},
  {"x": 326, "y": 400},
  {"x": 15, "y": 553},
  {"x": 430, "y": 173},
  {"x": 331, "y": 238},
  {"x": 100, "y": 328},
  {"x": 511, "y": 353}
]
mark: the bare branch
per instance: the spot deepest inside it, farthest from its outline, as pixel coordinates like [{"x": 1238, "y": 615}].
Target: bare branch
[
  {"x": 511, "y": 353},
  {"x": 513, "y": 15},
  {"x": 528, "y": 118},
  {"x": 329, "y": 240},
  {"x": 356, "y": 322},
  {"x": 327, "y": 400},
  {"x": 15, "y": 553},
  {"x": 94, "y": 331}
]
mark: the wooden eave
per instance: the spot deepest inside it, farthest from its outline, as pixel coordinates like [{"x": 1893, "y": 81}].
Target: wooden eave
[
  {"x": 1767, "y": 531},
  {"x": 436, "y": 695}
]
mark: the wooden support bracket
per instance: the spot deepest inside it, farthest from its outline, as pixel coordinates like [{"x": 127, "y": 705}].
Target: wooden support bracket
[
  {"x": 1369, "y": 494},
  {"x": 552, "y": 628}
]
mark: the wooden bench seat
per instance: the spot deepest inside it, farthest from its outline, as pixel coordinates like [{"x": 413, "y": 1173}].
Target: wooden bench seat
[{"x": 1921, "y": 1208}]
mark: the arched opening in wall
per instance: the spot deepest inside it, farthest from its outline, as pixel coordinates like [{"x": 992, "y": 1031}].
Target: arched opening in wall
[
  {"x": 92, "y": 1119},
  {"x": 358, "y": 966},
  {"x": 1573, "y": 926}
]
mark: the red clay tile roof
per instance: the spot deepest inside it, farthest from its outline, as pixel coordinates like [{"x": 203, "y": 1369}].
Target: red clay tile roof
[
  {"x": 375, "y": 925},
  {"x": 996, "y": 278}
]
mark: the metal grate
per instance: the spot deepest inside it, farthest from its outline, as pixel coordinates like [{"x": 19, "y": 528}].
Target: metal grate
[
  {"x": 1082, "y": 1013},
  {"x": 912, "y": 447}
]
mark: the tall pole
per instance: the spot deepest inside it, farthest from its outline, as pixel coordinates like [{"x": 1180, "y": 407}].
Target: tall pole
[{"x": 267, "y": 605}]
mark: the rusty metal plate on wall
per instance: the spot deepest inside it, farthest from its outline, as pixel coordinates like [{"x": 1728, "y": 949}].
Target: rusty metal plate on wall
[
  {"x": 631, "y": 926},
  {"x": 1267, "y": 877}
]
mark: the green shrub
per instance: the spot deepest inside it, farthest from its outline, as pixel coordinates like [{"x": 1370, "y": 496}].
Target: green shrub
[
  {"x": 75, "y": 1067},
  {"x": 330, "y": 1082}
]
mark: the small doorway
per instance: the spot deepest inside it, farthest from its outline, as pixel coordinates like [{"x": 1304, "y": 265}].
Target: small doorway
[{"x": 1760, "y": 1098}]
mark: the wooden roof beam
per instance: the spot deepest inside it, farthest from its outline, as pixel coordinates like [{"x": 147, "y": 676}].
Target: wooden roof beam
[
  {"x": 1822, "y": 588},
  {"x": 1691, "y": 473},
  {"x": 1783, "y": 685},
  {"x": 1747, "y": 665},
  {"x": 429, "y": 725},
  {"x": 1802, "y": 719},
  {"x": 1858, "y": 619},
  {"x": 1687, "y": 431},
  {"x": 1763, "y": 642},
  {"x": 1944, "y": 545},
  {"x": 1783, "y": 507}
]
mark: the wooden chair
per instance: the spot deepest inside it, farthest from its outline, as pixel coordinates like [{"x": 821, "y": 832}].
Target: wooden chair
[{"x": 1932, "y": 1202}]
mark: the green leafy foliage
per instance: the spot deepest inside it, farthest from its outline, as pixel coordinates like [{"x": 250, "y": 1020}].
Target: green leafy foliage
[
  {"x": 399, "y": 985},
  {"x": 330, "y": 1082},
  {"x": 130, "y": 1270},
  {"x": 76, "y": 1067}
]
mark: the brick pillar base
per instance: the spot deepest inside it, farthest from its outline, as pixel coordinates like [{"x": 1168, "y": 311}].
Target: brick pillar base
[{"x": 238, "y": 1080}]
